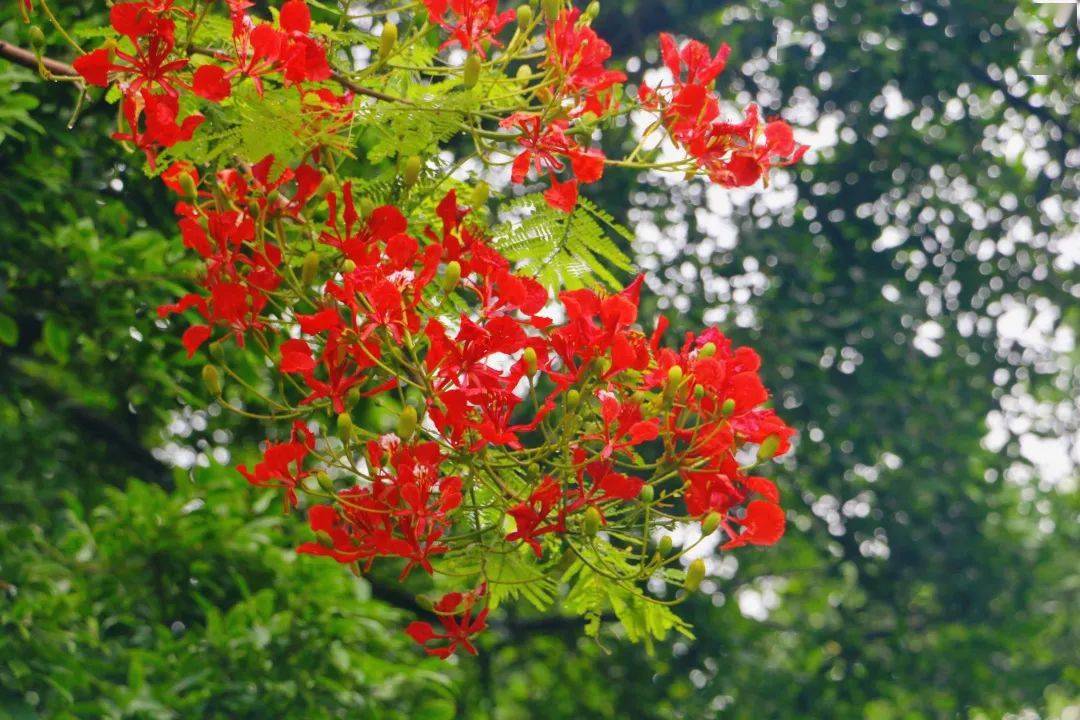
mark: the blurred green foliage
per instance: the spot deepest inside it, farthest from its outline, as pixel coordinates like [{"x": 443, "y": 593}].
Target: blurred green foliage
[{"x": 927, "y": 573}]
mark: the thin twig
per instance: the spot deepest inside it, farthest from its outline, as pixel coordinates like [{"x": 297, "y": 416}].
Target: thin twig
[{"x": 27, "y": 58}]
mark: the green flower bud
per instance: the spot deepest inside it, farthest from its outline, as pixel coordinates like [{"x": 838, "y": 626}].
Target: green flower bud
[
  {"x": 675, "y": 376},
  {"x": 406, "y": 423},
  {"x": 592, "y": 10},
  {"x": 768, "y": 447},
  {"x": 591, "y": 524},
  {"x": 479, "y": 195},
  {"x": 524, "y": 17},
  {"x": 348, "y": 266},
  {"x": 325, "y": 482},
  {"x": 470, "y": 74},
  {"x": 694, "y": 575},
  {"x": 364, "y": 206},
  {"x": 345, "y": 426},
  {"x": 524, "y": 72},
  {"x": 573, "y": 398},
  {"x": 309, "y": 269},
  {"x": 451, "y": 276},
  {"x": 352, "y": 397},
  {"x": 327, "y": 185},
  {"x": 710, "y": 523},
  {"x": 551, "y": 8},
  {"x": 529, "y": 356},
  {"x": 728, "y": 407},
  {"x": 665, "y": 544},
  {"x": 699, "y": 391},
  {"x": 647, "y": 494},
  {"x": 324, "y": 539},
  {"x": 37, "y": 37},
  {"x": 707, "y": 350},
  {"x": 387, "y": 40},
  {"x": 212, "y": 380},
  {"x": 187, "y": 186},
  {"x": 410, "y": 172}
]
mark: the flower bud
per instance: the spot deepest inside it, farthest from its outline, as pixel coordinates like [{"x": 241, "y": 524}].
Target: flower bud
[
  {"x": 524, "y": 72},
  {"x": 707, "y": 350},
  {"x": 529, "y": 356},
  {"x": 591, "y": 524},
  {"x": 551, "y": 8},
  {"x": 348, "y": 266},
  {"x": 387, "y": 40},
  {"x": 592, "y": 11},
  {"x": 710, "y": 523},
  {"x": 187, "y": 186},
  {"x": 327, "y": 185},
  {"x": 451, "y": 276},
  {"x": 694, "y": 575},
  {"x": 352, "y": 397},
  {"x": 365, "y": 206},
  {"x": 768, "y": 447},
  {"x": 309, "y": 269},
  {"x": 37, "y": 37},
  {"x": 728, "y": 407},
  {"x": 665, "y": 545},
  {"x": 573, "y": 398},
  {"x": 410, "y": 172},
  {"x": 345, "y": 426},
  {"x": 406, "y": 423},
  {"x": 524, "y": 17},
  {"x": 699, "y": 392},
  {"x": 471, "y": 73},
  {"x": 325, "y": 482},
  {"x": 324, "y": 539},
  {"x": 212, "y": 380},
  {"x": 647, "y": 494},
  {"x": 479, "y": 195},
  {"x": 675, "y": 376}
]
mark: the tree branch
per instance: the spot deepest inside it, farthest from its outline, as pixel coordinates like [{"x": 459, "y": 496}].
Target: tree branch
[{"x": 27, "y": 58}]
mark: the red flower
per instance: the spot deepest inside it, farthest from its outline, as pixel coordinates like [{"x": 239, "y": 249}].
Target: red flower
[
  {"x": 562, "y": 195},
  {"x": 732, "y": 154},
  {"x": 475, "y": 26},
  {"x": 455, "y": 611},
  {"x": 342, "y": 547},
  {"x": 579, "y": 54},
  {"x": 544, "y": 144},
  {"x": 530, "y": 516},
  {"x": 282, "y": 463},
  {"x": 763, "y": 524},
  {"x": 211, "y": 82}
]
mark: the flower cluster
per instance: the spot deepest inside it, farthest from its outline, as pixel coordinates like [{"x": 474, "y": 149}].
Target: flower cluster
[
  {"x": 732, "y": 154},
  {"x": 532, "y": 427}
]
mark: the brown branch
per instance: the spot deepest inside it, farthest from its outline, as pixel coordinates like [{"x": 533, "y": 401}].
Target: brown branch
[{"x": 27, "y": 58}]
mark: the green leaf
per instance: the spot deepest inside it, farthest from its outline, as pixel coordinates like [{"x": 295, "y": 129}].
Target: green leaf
[
  {"x": 57, "y": 339},
  {"x": 9, "y": 331}
]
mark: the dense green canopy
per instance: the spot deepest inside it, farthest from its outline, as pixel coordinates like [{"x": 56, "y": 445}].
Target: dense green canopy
[{"x": 913, "y": 288}]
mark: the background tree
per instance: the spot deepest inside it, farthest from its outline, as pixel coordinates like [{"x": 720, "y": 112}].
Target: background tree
[{"x": 917, "y": 280}]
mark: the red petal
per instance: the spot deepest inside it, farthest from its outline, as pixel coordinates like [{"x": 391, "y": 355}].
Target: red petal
[
  {"x": 210, "y": 82},
  {"x": 295, "y": 17},
  {"x": 562, "y": 196},
  {"x": 296, "y": 357},
  {"x": 195, "y": 336},
  {"x": 94, "y": 67},
  {"x": 421, "y": 632}
]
